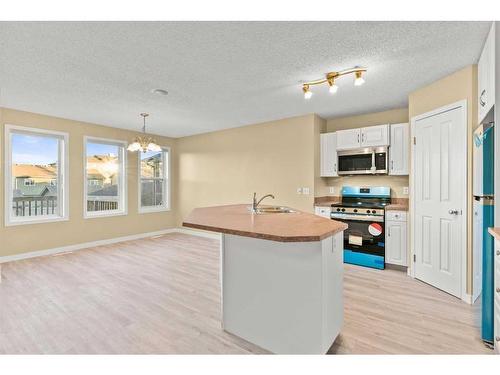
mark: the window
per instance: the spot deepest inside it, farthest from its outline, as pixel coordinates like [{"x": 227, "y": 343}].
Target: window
[
  {"x": 105, "y": 179},
  {"x": 153, "y": 181},
  {"x": 36, "y": 175}
]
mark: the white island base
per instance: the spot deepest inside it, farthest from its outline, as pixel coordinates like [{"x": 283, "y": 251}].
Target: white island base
[{"x": 285, "y": 297}]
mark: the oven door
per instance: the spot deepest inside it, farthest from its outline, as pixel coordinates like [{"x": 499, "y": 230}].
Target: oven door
[{"x": 364, "y": 242}]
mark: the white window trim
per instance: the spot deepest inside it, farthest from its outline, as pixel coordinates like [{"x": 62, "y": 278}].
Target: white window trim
[
  {"x": 62, "y": 171},
  {"x": 166, "y": 185},
  {"x": 123, "y": 194}
]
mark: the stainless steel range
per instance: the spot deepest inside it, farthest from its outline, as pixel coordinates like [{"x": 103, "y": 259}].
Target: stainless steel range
[{"x": 363, "y": 209}]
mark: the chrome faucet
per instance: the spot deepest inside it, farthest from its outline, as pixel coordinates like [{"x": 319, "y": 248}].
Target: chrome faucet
[{"x": 256, "y": 203}]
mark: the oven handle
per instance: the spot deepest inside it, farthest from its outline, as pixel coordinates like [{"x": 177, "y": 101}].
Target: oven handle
[{"x": 379, "y": 219}]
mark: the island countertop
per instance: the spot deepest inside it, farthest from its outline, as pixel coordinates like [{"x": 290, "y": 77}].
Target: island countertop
[{"x": 283, "y": 227}]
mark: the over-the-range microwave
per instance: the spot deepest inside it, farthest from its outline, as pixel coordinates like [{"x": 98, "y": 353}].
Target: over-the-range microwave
[{"x": 368, "y": 160}]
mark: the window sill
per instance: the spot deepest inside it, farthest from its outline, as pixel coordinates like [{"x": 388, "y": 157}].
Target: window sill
[
  {"x": 154, "y": 209},
  {"x": 87, "y": 215},
  {"x": 48, "y": 219}
]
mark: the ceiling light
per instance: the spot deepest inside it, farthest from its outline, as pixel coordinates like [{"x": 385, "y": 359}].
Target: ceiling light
[
  {"x": 144, "y": 143},
  {"x": 160, "y": 92},
  {"x": 331, "y": 78},
  {"x": 333, "y": 87},
  {"x": 307, "y": 92},
  {"x": 359, "y": 79}
]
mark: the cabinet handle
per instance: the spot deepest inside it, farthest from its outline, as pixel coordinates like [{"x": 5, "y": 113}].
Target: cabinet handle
[
  {"x": 358, "y": 137},
  {"x": 498, "y": 290},
  {"x": 498, "y": 252},
  {"x": 335, "y": 167},
  {"x": 481, "y": 101},
  {"x": 389, "y": 232},
  {"x": 392, "y": 165}
]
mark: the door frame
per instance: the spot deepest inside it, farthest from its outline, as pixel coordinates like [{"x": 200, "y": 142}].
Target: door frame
[{"x": 462, "y": 104}]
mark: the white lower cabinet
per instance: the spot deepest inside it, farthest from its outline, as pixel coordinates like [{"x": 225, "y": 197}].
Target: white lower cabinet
[
  {"x": 323, "y": 211},
  {"x": 396, "y": 237}
]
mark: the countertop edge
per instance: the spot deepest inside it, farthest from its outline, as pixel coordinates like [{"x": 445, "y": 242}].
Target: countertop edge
[
  {"x": 495, "y": 233},
  {"x": 266, "y": 236}
]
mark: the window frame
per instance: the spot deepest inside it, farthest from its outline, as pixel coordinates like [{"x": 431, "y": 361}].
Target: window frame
[
  {"x": 166, "y": 184},
  {"x": 122, "y": 178},
  {"x": 62, "y": 175}
]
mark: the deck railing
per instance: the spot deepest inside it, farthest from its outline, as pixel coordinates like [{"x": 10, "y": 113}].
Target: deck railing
[{"x": 34, "y": 206}]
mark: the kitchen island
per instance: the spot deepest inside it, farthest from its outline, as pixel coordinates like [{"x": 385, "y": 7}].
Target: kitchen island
[{"x": 281, "y": 276}]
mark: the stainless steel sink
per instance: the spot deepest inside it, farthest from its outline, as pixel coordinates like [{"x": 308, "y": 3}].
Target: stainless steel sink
[{"x": 273, "y": 210}]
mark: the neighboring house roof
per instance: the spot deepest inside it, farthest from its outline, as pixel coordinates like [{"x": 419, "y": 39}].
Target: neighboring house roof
[
  {"x": 36, "y": 191},
  {"x": 34, "y": 171},
  {"x": 149, "y": 165},
  {"x": 108, "y": 191}
]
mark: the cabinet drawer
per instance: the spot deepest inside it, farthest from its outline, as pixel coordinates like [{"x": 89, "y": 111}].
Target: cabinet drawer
[
  {"x": 396, "y": 215},
  {"x": 323, "y": 211}
]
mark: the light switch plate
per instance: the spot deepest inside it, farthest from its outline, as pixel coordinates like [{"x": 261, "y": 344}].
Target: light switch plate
[
  {"x": 299, "y": 190},
  {"x": 305, "y": 190},
  {"x": 332, "y": 190},
  {"x": 405, "y": 190}
]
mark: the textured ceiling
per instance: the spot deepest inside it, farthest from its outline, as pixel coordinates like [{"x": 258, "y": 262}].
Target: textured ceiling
[{"x": 221, "y": 74}]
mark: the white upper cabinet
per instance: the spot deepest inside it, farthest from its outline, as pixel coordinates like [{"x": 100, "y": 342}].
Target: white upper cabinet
[
  {"x": 374, "y": 136},
  {"x": 399, "y": 151},
  {"x": 371, "y": 136},
  {"x": 486, "y": 76},
  {"x": 328, "y": 155},
  {"x": 348, "y": 139}
]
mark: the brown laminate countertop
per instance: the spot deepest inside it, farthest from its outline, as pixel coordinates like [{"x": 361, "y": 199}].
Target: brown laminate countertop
[
  {"x": 495, "y": 232},
  {"x": 283, "y": 227},
  {"x": 396, "y": 207}
]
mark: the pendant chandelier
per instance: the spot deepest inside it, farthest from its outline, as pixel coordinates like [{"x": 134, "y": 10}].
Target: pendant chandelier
[{"x": 144, "y": 143}]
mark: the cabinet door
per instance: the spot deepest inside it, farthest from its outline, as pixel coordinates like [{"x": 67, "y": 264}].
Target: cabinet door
[
  {"x": 328, "y": 155},
  {"x": 395, "y": 243},
  {"x": 373, "y": 136},
  {"x": 348, "y": 139},
  {"x": 399, "y": 149},
  {"x": 486, "y": 76}
]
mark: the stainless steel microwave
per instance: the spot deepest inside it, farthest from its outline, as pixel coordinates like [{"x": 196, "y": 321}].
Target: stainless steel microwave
[{"x": 368, "y": 160}]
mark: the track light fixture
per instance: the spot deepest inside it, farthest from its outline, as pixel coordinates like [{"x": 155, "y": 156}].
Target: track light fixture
[{"x": 330, "y": 79}]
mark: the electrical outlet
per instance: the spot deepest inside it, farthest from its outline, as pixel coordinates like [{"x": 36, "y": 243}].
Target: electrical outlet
[
  {"x": 305, "y": 191},
  {"x": 299, "y": 190},
  {"x": 332, "y": 190},
  {"x": 405, "y": 190}
]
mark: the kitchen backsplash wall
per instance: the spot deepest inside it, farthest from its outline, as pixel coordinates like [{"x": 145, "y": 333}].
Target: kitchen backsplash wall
[{"x": 396, "y": 183}]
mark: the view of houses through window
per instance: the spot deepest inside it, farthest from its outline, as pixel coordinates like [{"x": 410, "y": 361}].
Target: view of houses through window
[
  {"x": 34, "y": 174},
  {"x": 103, "y": 176},
  {"x": 154, "y": 174}
]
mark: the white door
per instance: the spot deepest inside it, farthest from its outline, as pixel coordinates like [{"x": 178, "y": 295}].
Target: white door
[
  {"x": 440, "y": 157},
  {"x": 348, "y": 139},
  {"x": 399, "y": 151},
  {"x": 374, "y": 136}
]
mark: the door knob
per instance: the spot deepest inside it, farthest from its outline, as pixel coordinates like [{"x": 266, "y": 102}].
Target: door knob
[{"x": 453, "y": 212}]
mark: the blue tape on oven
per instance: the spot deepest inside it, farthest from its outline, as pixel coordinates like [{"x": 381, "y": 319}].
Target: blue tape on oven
[{"x": 364, "y": 259}]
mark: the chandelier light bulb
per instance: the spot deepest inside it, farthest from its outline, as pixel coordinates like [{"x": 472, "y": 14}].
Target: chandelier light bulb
[{"x": 333, "y": 87}]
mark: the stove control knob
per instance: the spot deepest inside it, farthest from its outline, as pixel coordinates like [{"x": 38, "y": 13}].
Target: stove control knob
[
  {"x": 367, "y": 211},
  {"x": 343, "y": 210},
  {"x": 338, "y": 209},
  {"x": 374, "y": 212},
  {"x": 355, "y": 210}
]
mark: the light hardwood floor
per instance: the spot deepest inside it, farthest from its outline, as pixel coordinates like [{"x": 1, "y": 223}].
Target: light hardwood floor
[{"x": 161, "y": 295}]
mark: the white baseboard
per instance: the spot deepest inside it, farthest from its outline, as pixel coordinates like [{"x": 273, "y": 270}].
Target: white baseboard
[{"x": 86, "y": 245}]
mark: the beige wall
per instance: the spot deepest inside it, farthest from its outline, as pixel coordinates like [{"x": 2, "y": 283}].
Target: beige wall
[
  {"x": 396, "y": 183},
  {"x": 33, "y": 237},
  {"x": 226, "y": 167},
  {"x": 455, "y": 87}
]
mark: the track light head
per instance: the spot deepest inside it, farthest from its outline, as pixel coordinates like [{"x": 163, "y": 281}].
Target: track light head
[
  {"x": 359, "y": 79},
  {"x": 307, "y": 92},
  {"x": 333, "y": 87}
]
